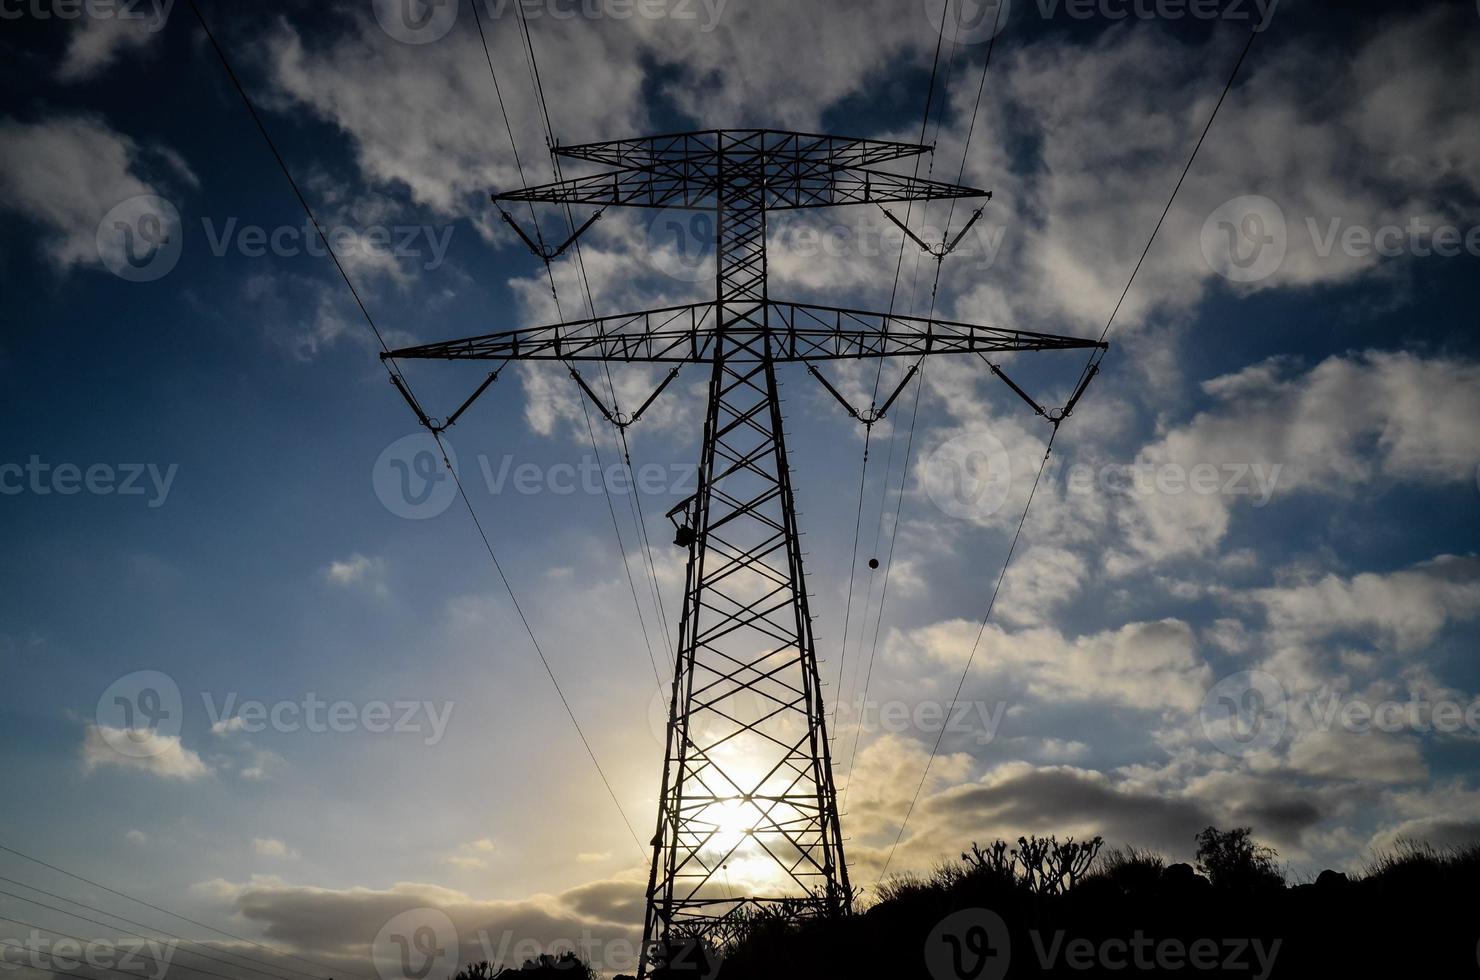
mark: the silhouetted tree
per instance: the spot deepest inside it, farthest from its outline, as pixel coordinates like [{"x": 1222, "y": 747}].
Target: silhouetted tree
[
  {"x": 1052, "y": 868},
  {"x": 566, "y": 966},
  {"x": 1234, "y": 862}
]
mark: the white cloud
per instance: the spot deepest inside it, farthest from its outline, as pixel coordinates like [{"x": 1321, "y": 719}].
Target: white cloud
[
  {"x": 436, "y": 130},
  {"x": 472, "y": 855},
  {"x": 263, "y": 765},
  {"x": 1148, "y": 666},
  {"x": 1105, "y": 163},
  {"x": 1039, "y": 581},
  {"x": 1359, "y": 421},
  {"x": 159, "y": 755},
  {"x": 66, "y": 174},
  {"x": 1372, "y": 757},
  {"x": 95, "y": 43},
  {"x": 1406, "y": 609},
  {"x": 359, "y": 571},
  {"x": 227, "y": 725},
  {"x": 271, "y": 847}
]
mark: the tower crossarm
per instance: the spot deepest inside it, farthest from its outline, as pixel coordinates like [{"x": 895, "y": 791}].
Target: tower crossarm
[
  {"x": 804, "y": 332},
  {"x": 772, "y": 145},
  {"x": 798, "y": 184},
  {"x": 688, "y": 335}
]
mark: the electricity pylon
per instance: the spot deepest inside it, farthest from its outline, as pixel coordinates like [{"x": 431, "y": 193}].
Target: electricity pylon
[{"x": 747, "y": 772}]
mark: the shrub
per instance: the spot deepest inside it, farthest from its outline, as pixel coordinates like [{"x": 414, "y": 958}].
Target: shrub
[{"x": 1234, "y": 862}]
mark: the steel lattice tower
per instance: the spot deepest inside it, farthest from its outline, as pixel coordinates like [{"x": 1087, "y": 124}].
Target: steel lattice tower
[{"x": 747, "y": 772}]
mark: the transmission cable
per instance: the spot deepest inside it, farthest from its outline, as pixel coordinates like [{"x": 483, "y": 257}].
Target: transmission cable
[
  {"x": 1094, "y": 360},
  {"x": 86, "y": 942},
  {"x": 878, "y": 374},
  {"x": 914, "y": 417},
  {"x": 991, "y": 604},
  {"x": 396, "y": 376},
  {"x": 1099, "y": 355},
  {"x": 140, "y": 925},
  {"x": 182, "y": 918},
  {"x": 539, "y": 91}
]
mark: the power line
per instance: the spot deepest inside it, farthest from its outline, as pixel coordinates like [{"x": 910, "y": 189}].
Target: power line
[
  {"x": 1232, "y": 76},
  {"x": 976, "y": 109},
  {"x": 888, "y": 565},
  {"x": 52, "y": 970},
  {"x": 636, "y": 505},
  {"x": 991, "y": 604},
  {"x": 63, "y": 973},
  {"x": 177, "y": 915},
  {"x": 879, "y": 373},
  {"x": 1094, "y": 359},
  {"x": 915, "y": 415},
  {"x": 555, "y": 295},
  {"x": 543, "y": 660},
  {"x": 868, "y": 435},
  {"x": 395, "y": 376},
  {"x": 78, "y": 939},
  {"x": 140, "y": 925}
]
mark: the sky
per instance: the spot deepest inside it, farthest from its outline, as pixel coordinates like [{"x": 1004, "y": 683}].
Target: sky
[{"x": 1245, "y": 595}]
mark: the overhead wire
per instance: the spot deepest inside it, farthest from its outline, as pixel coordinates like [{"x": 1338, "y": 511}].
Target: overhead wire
[
  {"x": 878, "y": 375},
  {"x": 1093, "y": 362},
  {"x": 1099, "y": 354},
  {"x": 396, "y": 375},
  {"x": 139, "y": 925},
  {"x": 183, "y": 918},
  {"x": 532, "y": 62},
  {"x": 920, "y": 364},
  {"x": 78, "y": 939},
  {"x": 960, "y": 684},
  {"x": 555, "y": 295}
]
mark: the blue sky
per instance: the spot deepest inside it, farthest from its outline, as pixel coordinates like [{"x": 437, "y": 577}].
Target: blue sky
[{"x": 272, "y": 570}]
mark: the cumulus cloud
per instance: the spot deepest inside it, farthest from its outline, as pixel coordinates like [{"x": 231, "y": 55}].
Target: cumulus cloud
[
  {"x": 1082, "y": 206},
  {"x": 271, "y": 847},
  {"x": 1406, "y": 609},
  {"x": 96, "y": 43},
  {"x": 472, "y": 855},
  {"x": 434, "y": 132},
  {"x": 147, "y": 751},
  {"x": 1373, "y": 757},
  {"x": 340, "y": 925},
  {"x": 359, "y": 571},
  {"x": 1353, "y": 422},
  {"x": 1147, "y": 666},
  {"x": 66, "y": 174},
  {"x": 1015, "y": 799}
]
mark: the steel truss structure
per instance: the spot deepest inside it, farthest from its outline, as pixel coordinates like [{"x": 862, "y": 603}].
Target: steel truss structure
[{"x": 747, "y": 786}]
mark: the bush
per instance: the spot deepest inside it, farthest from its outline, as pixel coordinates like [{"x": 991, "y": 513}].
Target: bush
[
  {"x": 1234, "y": 862},
  {"x": 567, "y": 966}
]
